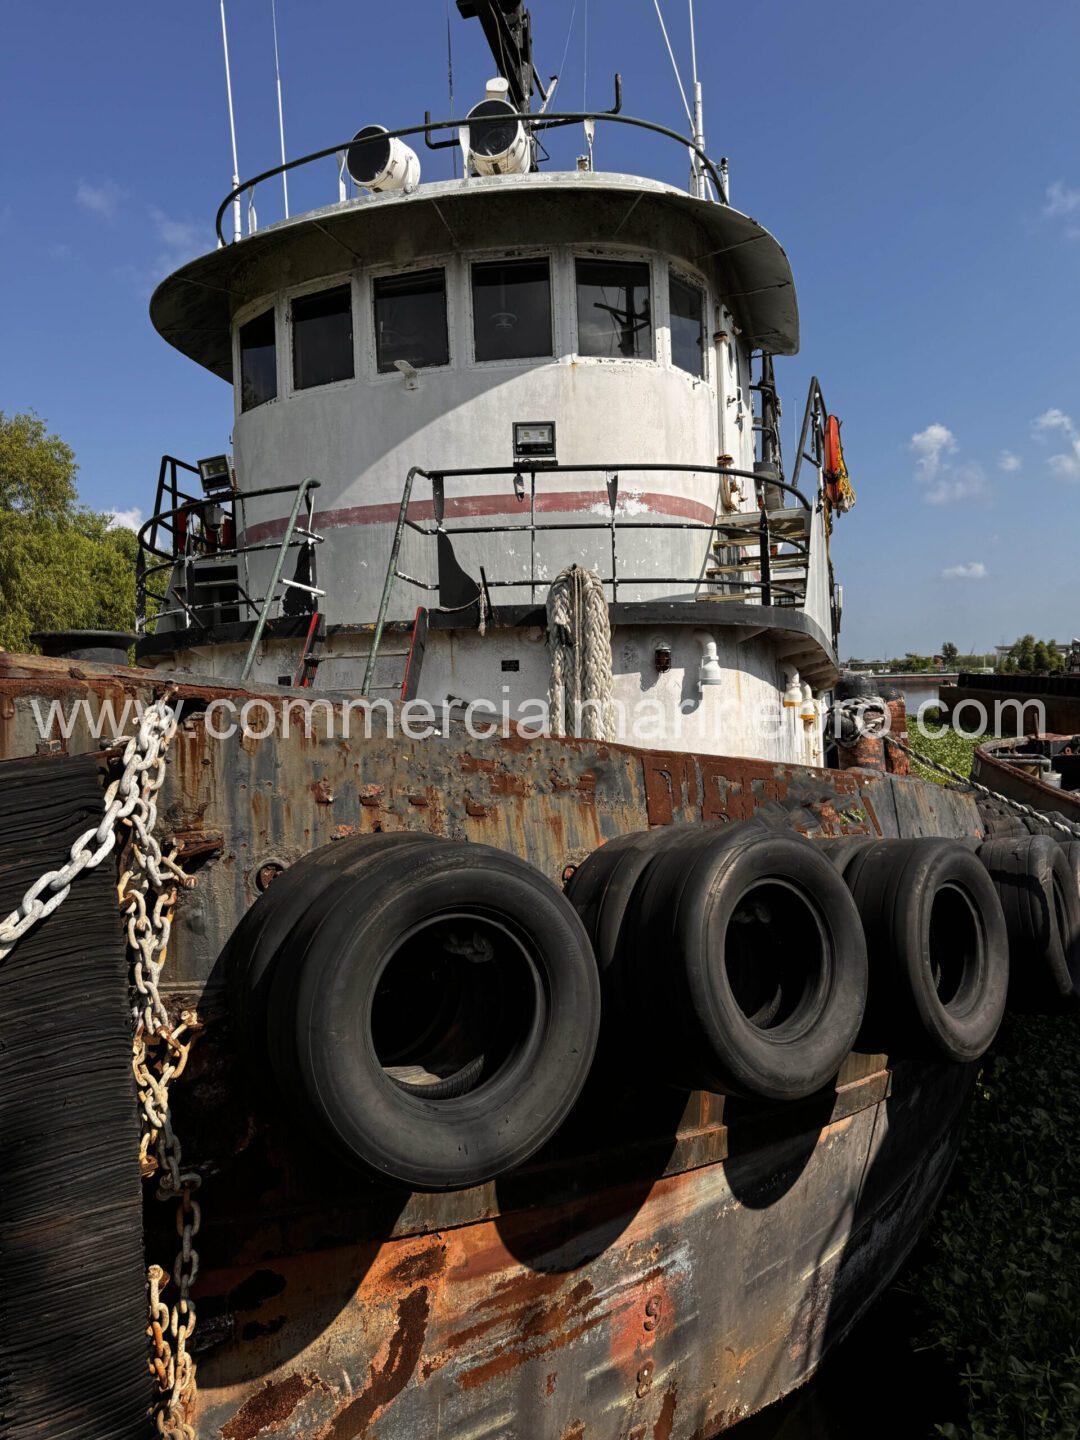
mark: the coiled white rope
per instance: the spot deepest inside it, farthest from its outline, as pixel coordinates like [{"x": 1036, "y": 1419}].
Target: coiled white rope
[{"x": 579, "y": 639}]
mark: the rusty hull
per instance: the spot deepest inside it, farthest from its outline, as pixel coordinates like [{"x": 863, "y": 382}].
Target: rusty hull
[
  {"x": 669, "y": 1264},
  {"x": 992, "y": 768}
]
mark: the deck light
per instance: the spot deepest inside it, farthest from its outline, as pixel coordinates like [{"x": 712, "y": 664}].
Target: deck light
[
  {"x": 497, "y": 142},
  {"x": 534, "y": 440},
  {"x": 215, "y": 472},
  {"x": 709, "y": 671},
  {"x": 377, "y": 162}
]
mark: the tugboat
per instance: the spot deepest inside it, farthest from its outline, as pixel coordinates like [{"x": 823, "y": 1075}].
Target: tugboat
[{"x": 545, "y": 1024}]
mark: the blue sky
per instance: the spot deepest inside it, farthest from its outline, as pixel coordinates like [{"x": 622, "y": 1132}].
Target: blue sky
[{"x": 919, "y": 162}]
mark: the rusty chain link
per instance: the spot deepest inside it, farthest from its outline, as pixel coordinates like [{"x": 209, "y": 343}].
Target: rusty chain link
[
  {"x": 1051, "y": 819},
  {"x": 147, "y": 891}
]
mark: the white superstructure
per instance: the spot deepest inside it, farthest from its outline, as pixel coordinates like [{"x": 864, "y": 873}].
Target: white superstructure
[{"x": 581, "y": 349}]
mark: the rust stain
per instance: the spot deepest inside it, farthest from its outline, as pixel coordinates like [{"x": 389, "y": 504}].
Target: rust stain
[
  {"x": 387, "y": 1380},
  {"x": 268, "y": 1408},
  {"x": 574, "y": 1431},
  {"x": 425, "y": 1264},
  {"x": 666, "y": 1420},
  {"x": 476, "y": 765},
  {"x": 506, "y": 782},
  {"x": 520, "y": 1352}
]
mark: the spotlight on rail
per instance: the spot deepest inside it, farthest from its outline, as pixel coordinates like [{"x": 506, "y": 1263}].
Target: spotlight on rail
[
  {"x": 498, "y": 144},
  {"x": 378, "y": 163}
]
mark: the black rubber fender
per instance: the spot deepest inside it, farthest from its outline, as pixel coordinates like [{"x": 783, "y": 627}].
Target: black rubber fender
[
  {"x": 259, "y": 941},
  {"x": 1039, "y": 897},
  {"x": 842, "y": 850},
  {"x": 1071, "y": 849},
  {"x": 353, "y": 1016},
  {"x": 747, "y": 963},
  {"x": 938, "y": 948},
  {"x": 601, "y": 887}
]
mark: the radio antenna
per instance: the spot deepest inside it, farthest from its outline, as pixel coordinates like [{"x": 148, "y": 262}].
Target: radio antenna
[
  {"x": 237, "y": 230},
  {"x": 698, "y": 120},
  {"x": 280, "y": 111}
]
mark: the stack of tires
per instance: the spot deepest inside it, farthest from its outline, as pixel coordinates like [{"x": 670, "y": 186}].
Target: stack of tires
[
  {"x": 757, "y": 959},
  {"x": 1038, "y": 882},
  {"x": 733, "y": 954},
  {"x": 431, "y": 1010},
  {"x": 428, "y": 1010}
]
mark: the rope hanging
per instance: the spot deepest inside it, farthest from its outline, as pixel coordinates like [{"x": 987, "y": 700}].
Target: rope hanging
[{"x": 579, "y": 639}]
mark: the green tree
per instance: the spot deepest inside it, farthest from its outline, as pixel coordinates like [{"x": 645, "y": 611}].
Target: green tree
[
  {"x": 61, "y": 565},
  {"x": 950, "y": 654},
  {"x": 37, "y": 470},
  {"x": 1041, "y": 657},
  {"x": 1024, "y": 653}
]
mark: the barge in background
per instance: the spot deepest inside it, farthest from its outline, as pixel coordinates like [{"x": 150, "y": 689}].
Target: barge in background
[{"x": 557, "y": 1085}]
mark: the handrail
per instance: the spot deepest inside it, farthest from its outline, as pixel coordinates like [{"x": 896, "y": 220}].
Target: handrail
[
  {"x": 303, "y": 491},
  {"x": 535, "y": 121},
  {"x": 151, "y": 560},
  {"x": 613, "y": 467},
  {"x": 194, "y": 506},
  {"x": 765, "y": 586},
  {"x": 815, "y": 407}
]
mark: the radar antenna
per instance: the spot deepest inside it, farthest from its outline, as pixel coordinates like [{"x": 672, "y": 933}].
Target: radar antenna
[{"x": 508, "y": 30}]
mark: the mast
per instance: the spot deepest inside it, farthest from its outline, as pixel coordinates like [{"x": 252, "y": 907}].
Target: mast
[{"x": 507, "y": 27}]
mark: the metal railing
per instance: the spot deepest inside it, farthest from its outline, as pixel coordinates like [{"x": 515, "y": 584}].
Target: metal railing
[
  {"x": 536, "y": 123},
  {"x": 182, "y": 543},
  {"x": 726, "y": 531},
  {"x": 815, "y": 414}
]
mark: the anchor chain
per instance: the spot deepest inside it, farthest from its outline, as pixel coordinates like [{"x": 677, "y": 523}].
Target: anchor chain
[
  {"x": 149, "y": 884},
  {"x": 970, "y": 784}
]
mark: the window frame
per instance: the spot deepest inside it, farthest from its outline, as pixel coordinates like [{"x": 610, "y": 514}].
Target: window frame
[
  {"x": 243, "y": 316},
  {"x": 316, "y": 287},
  {"x": 450, "y": 266},
  {"x": 510, "y": 257},
  {"x": 692, "y": 282},
  {"x": 630, "y": 257}
]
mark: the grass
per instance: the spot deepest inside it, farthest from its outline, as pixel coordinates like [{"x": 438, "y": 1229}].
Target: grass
[
  {"x": 939, "y": 743},
  {"x": 1000, "y": 1287},
  {"x": 999, "y": 1282}
]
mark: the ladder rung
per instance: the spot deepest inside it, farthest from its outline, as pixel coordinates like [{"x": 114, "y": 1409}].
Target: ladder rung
[
  {"x": 299, "y": 585},
  {"x": 777, "y": 564}
]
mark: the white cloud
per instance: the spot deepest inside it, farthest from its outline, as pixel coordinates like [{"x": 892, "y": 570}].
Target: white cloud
[
  {"x": 931, "y": 446},
  {"x": 101, "y": 200},
  {"x": 1063, "y": 203},
  {"x": 959, "y": 482},
  {"x": 180, "y": 240},
  {"x": 1061, "y": 199},
  {"x": 1066, "y": 463},
  {"x": 972, "y": 570},
  {"x": 125, "y": 519},
  {"x": 945, "y": 482},
  {"x": 184, "y": 236},
  {"x": 1009, "y": 462}
]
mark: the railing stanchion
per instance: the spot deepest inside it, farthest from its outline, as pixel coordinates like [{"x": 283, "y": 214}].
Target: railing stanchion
[{"x": 766, "y": 559}]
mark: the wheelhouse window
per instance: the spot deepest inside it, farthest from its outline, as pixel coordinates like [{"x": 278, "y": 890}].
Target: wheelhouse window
[
  {"x": 410, "y": 320},
  {"x": 687, "y": 306},
  {"x": 614, "y": 310},
  {"x": 322, "y": 337},
  {"x": 512, "y": 309},
  {"x": 258, "y": 361}
]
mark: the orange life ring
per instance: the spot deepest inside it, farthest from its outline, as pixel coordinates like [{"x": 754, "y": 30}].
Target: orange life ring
[
  {"x": 834, "y": 468},
  {"x": 834, "y": 455}
]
